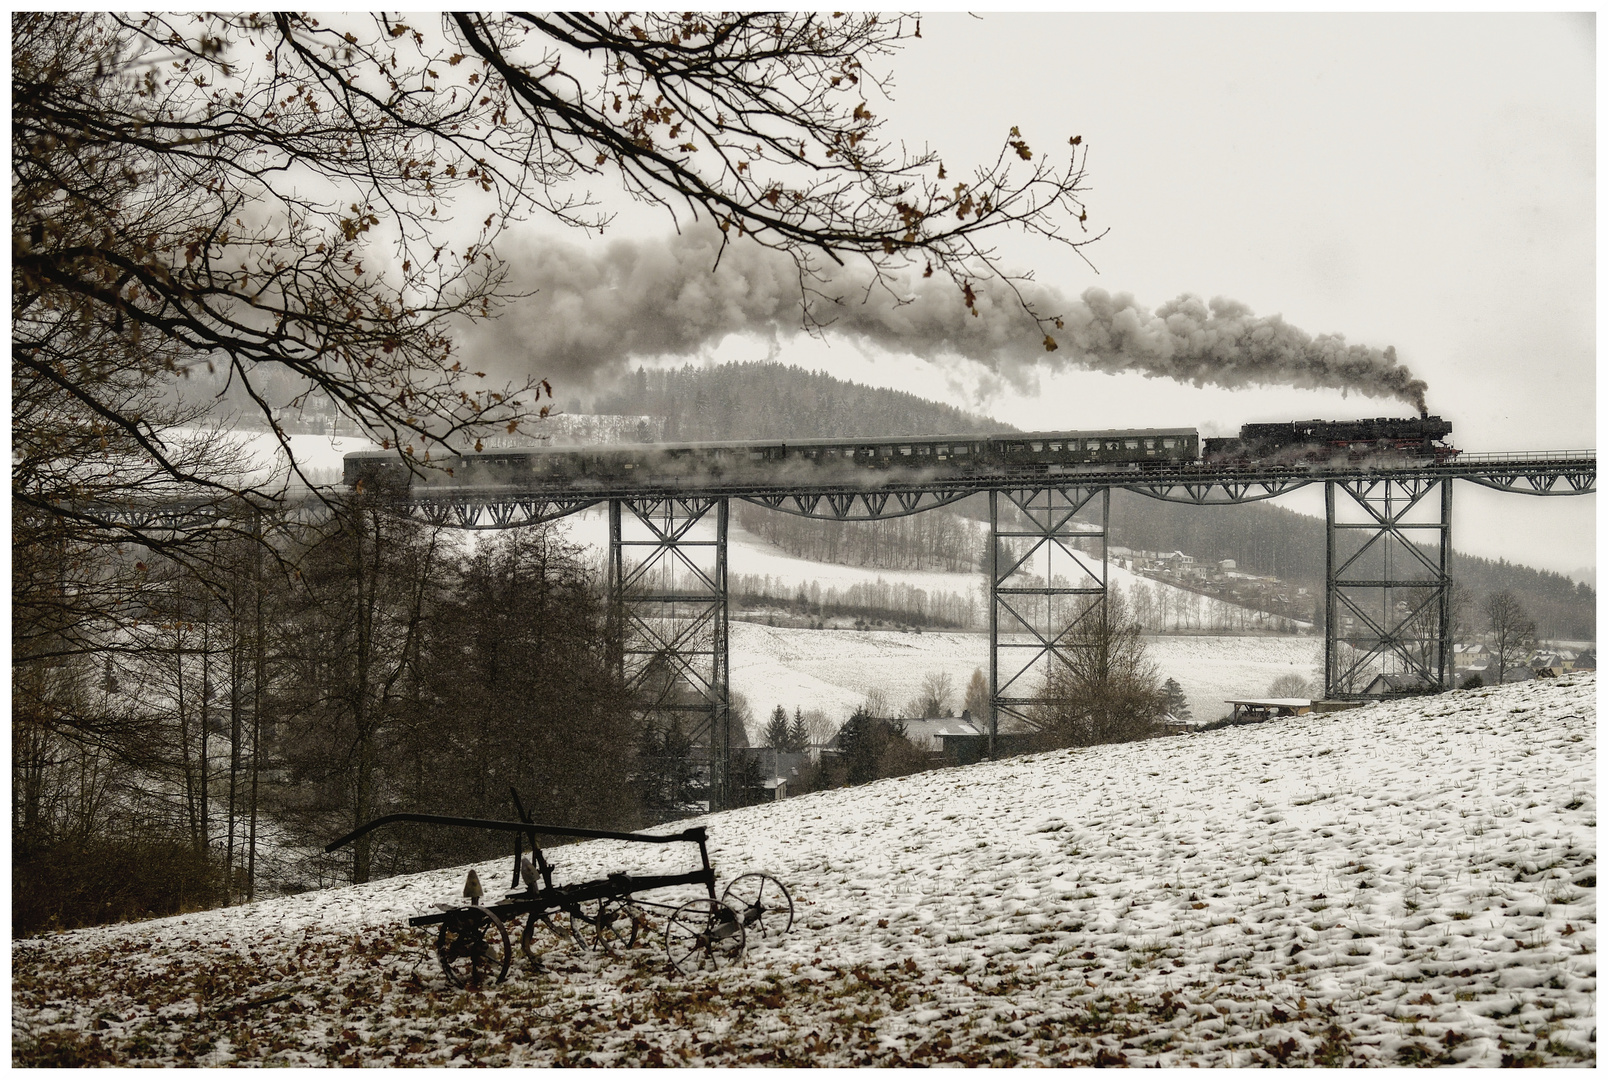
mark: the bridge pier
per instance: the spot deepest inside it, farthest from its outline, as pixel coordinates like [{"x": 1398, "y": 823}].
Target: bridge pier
[
  {"x": 668, "y": 603},
  {"x": 1047, "y": 574},
  {"x": 1387, "y": 601}
]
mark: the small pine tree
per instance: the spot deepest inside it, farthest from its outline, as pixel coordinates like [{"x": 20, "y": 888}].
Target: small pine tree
[
  {"x": 798, "y": 735},
  {"x": 1176, "y": 703},
  {"x": 776, "y": 731}
]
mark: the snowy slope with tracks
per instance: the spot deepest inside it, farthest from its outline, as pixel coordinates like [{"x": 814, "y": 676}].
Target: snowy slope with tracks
[{"x": 1402, "y": 884}]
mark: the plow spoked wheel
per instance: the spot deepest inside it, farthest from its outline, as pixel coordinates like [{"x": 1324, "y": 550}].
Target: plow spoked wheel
[
  {"x": 472, "y": 945},
  {"x": 615, "y": 928},
  {"x": 562, "y": 928},
  {"x": 703, "y": 935},
  {"x": 762, "y": 902}
]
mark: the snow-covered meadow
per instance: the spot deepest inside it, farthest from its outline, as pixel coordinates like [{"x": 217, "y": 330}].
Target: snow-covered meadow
[
  {"x": 1407, "y": 883},
  {"x": 833, "y": 670}
]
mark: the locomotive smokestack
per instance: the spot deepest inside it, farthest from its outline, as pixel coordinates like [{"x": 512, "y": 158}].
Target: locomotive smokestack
[{"x": 589, "y": 311}]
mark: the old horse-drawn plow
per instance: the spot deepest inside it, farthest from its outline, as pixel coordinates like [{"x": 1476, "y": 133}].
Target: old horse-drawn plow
[{"x": 474, "y": 941}]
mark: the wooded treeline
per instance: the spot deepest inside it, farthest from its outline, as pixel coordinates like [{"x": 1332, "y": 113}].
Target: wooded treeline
[
  {"x": 1281, "y": 543},
  {"x": 778, "y": 401},
  {"x": 353, "y": 668},
  {"x": 935, "y": 540},
  {"x": 870, "y": 601}
]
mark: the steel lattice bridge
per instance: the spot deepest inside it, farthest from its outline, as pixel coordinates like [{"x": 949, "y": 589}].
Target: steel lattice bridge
[{"x": 1388, "y": 579}]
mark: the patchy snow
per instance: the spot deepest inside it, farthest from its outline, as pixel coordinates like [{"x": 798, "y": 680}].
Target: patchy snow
[
  {"x": 1402, "y": 884},
  {"x": 748, "y": 554},
  {"x": 833, "y": 670}
]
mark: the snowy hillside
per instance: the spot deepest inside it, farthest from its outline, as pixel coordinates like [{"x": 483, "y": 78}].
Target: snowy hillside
[
  {"x": 1403, "y": 884},
  {"x": 752, "y": 556},
  {"x": 833, "y": 670}
]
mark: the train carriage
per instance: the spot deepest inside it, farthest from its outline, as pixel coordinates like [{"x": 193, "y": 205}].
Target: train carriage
[
  {"x": 1041, "y": 451},
  {"x": 936, "y": 456}
]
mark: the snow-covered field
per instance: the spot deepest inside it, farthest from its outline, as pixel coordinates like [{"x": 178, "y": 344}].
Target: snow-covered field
[
  {"x": 751, "y": 555},
  {"x": 833, "y": 670},
  {"x": 1409, "y": 883}
]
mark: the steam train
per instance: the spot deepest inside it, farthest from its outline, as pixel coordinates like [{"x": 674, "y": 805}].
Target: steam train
[
  {"x": 1320, "y": 440},
  {"x": 1047, "y": 452}
]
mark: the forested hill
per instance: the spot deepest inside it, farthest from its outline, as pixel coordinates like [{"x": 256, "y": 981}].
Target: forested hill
[
  {"x": 777, "y": 401},
  {"x": 1271, "y": 540},
  {"x": 768, "y": 400}
]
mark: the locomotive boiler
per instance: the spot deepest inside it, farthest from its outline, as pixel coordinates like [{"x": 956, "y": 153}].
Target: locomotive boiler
[{"x": 1316, "y": 441}]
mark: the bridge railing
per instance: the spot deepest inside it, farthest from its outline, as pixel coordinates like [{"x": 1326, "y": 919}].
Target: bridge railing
[{"x": 1527, "y": 455}]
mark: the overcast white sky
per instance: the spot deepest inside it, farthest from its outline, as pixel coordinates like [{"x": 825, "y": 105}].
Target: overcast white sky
[{"x": 1426, "y": 182}]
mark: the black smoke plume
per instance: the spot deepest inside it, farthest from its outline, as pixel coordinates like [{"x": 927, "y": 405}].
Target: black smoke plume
[{"x": 589, "y": 312}]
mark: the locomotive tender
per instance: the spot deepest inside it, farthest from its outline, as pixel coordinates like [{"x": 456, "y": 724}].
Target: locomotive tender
[{"x": 806, "y": 460}]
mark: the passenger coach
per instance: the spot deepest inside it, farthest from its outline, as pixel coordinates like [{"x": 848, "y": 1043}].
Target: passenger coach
[{"x": 1036, "y": 451}]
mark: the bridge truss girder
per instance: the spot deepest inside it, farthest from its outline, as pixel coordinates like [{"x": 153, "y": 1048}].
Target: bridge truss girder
[
  {"x": 1387, "y": 602},
  {"x": 669, "y": 607},
  {"x": 1217, "y": 492},
  {"x": 860, "y": 504},
  {"x": 493, "y": 511},
  {"x": 1044, "y": 584},
  {"x": 1581, "y": 480}
]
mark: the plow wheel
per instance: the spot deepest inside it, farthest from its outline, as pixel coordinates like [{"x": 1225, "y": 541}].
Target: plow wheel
[
  {"x": 472, "y": 945},
  {"x": 702, "y": 936},
  {"x": 562, "y": 928},
  {"x": 762, "y": 902},
  {"x": 616, "y": 926}
]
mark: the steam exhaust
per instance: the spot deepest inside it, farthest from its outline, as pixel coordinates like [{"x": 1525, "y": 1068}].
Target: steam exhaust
[{"x": 589, "y": 311}]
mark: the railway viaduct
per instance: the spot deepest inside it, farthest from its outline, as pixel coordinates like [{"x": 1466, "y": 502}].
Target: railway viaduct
[{"x": 1388, "y": 574}]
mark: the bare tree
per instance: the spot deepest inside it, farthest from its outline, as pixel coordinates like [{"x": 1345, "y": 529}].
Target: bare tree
[
  {"x": 1290, "y": 685},
  {"x": 1101, "y": 686},
  {"x": 820, "y": 727},
  {"x": 263, "y": 195},
  {"x": 936, "y": 696},
  {"x": 1512, "y": 631}
]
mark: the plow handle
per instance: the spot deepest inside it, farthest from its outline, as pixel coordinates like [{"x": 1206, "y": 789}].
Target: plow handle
[{"x": 696, "y": 834}]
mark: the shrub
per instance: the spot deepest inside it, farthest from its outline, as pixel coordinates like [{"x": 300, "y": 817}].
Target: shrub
[{"x": 69, "y": 885}]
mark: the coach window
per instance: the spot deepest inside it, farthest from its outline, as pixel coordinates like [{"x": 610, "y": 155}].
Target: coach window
[
  {"x": 1167, "y": 444},
  {"x": 904, "y": 451},
  {"x": 1055, "y": 448},
  {"x": 1130, "y": 444},
  {"x": 962, "y": 450},
  {"x": 1150, "y": 444}
]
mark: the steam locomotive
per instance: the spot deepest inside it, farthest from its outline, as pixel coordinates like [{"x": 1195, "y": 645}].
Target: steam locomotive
[{"x": 1045, "y": 452}]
